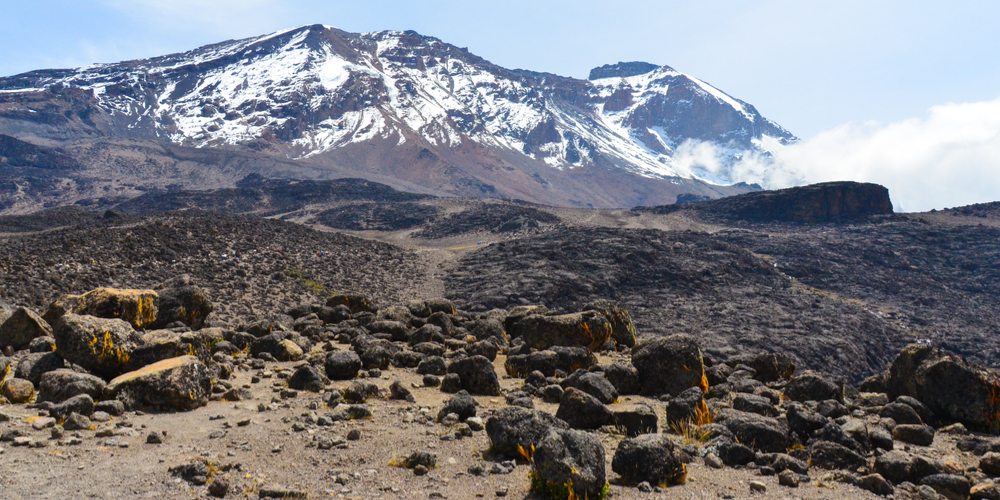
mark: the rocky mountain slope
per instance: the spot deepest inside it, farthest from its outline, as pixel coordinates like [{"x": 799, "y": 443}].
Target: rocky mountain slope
[
  {"x": 409, "y": 109},
  {"x": 842, "y": 296}
]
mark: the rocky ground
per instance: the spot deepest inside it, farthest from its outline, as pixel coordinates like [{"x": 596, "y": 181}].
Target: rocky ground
[{"x": 842, "y": 298}]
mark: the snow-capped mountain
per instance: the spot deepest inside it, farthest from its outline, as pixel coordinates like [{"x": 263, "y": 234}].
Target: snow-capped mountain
[{"x": 407, "y": 106}]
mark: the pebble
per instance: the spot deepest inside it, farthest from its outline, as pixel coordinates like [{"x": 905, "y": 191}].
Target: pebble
[
  {"x": 757, "y": 487},
  {"x": 712, "y": 460},
  {"x": 243, "y": 423},
  {"x": 354, "y": 435},
  {"x": 475, "y": 423},
  {"x": 502, "y": 492},
  {"x": 43, "y": 423},
  {"x": 788, "y": 478}
]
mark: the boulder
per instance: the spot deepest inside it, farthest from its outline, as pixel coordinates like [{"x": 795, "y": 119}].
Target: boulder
[
  {"x": 950, "y": 387},
  {"x": 770, "y": 367},
  {"x": 179, "y": 299},
  {"x": 635, "y": 419},
  {"x": 462, "y": 405},
  {"x": 990, "y": 464},
  {"x": 951, "y": 486},
  {"x": 62, "y": 305},
  {"x": 812, "y": 386},
  {"x": 136, "y": 307},
  {"x": 21, "y": 328},
  {"x": 648, "y": 458},
  {"x": 517, "y": 314},
  {"x": 752, "y": 403},
  {"x": 484, "y": 329},
  {"x": 81, "y": 404},
  {"x": 59, "y": 385},
  {"x": 17, "y": 390},
  {"x": 568, "y": 459},
  {"x": 592, "y": 383},
  {"x": 876, "y": 484},
  {"x": 514, "y": 429},
  {"x": 589, "y": 329},
  {"x": 342, "y": 365},
  {"x": 622, "y": 327},
  {"x": 432, "y": 365},
  {"x": 477, "y": 375},
  {"x": 669, "y": 365},
  {"x": 287, "y": 350},
  {"x": 920, "y": 435},
  {"x": 549, "y": 361},
  {"x": 897, "y": 466},
  {"x": 42, "y": 344},
  {"x": 101, "y": 346},
  {"x": 33, "y": 366},
  {"x": 181, "y": 383},
  {"x": 688, "y": 406},
  {"x": 624, "y": 377},
  {"x": 758, "y": 432},
  {"x": 306, "y": 378},
  {"x": 900, "y": 413},
  {"x": 158, "y": 345},
  {"x": 987, "y": 490},
  {"x": 582, "y": 411},
  {"x": 803, "y": 421},
  {"x": 356, "y": 303},
  {"x": 830, "y": 455}
]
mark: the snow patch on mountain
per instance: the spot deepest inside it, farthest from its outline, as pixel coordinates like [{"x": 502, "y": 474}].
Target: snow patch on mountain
[{"x": 317, "y": 89}]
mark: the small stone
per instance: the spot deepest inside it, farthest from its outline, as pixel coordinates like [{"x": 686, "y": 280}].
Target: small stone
[
  {"x": 757, "y": 487},
  {"x": 420, "y": 470},
  {"x": 43, "y": 423},
  {"x": 645, "y": 487},
  {"x": 22, "y": 441},
  {"x": 219, "y": 488},
  {"x": 154, "y": 438},
  {"x": 712, "y": 460},
  {"x": 243, "y": 423},
  {"x": 105, "y": 432},
  {"x": 475, "y": 423},
  {"x": 100, "y": 416},
  {"x": 502, "y": 492},
  {"x": 354, "y": 435},
  {"x": 788, "y": 478},
  {"x": 57, "y": 432}
]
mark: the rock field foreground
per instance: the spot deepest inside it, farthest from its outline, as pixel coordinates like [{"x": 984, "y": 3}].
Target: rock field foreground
[{"x": 132, "y": 393}]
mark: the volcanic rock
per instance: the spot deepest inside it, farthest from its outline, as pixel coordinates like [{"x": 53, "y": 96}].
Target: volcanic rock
[
  {"x": 181, "y": 383},
  {"x": 669, "y": 365},
  {"x": 567, "y": 456},
  {"x": 20, "y": 328}
]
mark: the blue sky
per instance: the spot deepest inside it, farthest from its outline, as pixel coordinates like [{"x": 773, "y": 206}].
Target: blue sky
[{"x": 814, "y": 67}]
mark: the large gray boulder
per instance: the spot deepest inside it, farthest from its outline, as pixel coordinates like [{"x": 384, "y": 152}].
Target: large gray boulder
[
  {"x": 568, "y": 458},
  {"x": 182, "y": 383},
  {"x": 101, "y": 346},
  {"x": 669, "y": 365},
  {"x": 62, "y": 384},
  {"x": 514, "y": 429},
  {"x": 589, "y": 329},
  {"x": 21, "y": 328},
  {"x": 179, "y": 299},
  {"x": 951, "y": 387},
  {"x": 648, "y": 458},
  {"x": 477, "y": 375}
]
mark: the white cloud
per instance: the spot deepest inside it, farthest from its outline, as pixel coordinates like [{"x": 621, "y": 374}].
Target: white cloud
[{"x": 950, "y": 158}]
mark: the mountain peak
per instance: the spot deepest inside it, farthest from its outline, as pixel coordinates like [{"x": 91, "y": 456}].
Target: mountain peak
[{"x": 622, "y": 70}]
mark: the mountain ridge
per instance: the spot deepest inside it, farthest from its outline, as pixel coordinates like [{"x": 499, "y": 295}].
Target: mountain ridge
[{"x": 371, "y": 101}]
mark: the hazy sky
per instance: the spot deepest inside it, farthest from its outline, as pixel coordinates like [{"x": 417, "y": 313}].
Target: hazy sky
[{"x": 847, "y": 71}]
